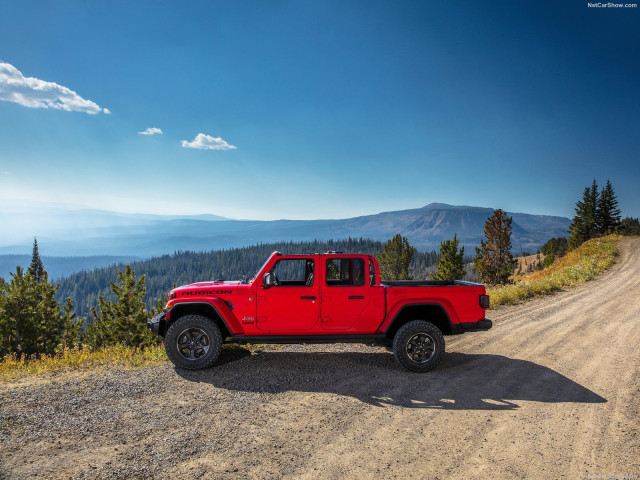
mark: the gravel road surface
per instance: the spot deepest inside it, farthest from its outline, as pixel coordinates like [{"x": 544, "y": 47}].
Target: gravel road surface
[{"x": 552, "y": 391}]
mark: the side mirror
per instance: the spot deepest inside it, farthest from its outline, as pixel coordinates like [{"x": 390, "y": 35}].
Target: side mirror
[{"x": 268, "y": 280}]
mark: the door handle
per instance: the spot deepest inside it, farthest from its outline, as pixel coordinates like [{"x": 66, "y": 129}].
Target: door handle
[
  {"x": 307, "y": 298},
  {"x": 356, "y": 297}
]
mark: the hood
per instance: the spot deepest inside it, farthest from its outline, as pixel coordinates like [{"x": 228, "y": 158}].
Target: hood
[
  {"x": 216, "y": 283},
  {"x": 205, "y": 289}
]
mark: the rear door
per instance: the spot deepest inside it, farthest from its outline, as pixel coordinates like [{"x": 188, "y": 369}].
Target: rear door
[{"x": 349, "y": 302}]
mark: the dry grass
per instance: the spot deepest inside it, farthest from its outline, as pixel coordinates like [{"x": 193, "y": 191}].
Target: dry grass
[
  {"x": 578, "y": 266},
  {"x": 81, "y": 359},
  {"x": 76, "y": 359}
]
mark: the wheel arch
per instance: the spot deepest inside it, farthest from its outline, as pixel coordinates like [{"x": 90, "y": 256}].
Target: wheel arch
[
  {"x": 431, "y": 312},
  {"x": 200, "y": 308}
]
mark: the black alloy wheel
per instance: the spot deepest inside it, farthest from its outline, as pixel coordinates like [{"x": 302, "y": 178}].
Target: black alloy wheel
[
  {"x": 193, "y": 342},
  {"x": 418, "y": 346}
]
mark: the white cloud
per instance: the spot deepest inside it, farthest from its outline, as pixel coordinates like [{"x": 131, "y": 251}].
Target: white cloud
[
  {"x": 151, "y": 131},
  {"x": 207, "y": 142},
  {"x": 35, "y": 93}
]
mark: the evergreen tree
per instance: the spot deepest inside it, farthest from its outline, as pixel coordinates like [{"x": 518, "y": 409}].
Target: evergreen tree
[
  {"x": 49, "y": 320},
  {"x": 71, "y": 325},
  {"x": 30, "y": 321},
  {"x": 451, "y": 264},
  {"x": 4, "y": 321},
  {"x": 395, "y": 257},
  {"x": 493, "y": 260},
  {"x": 607, "y": 211},
  {"x": 550, "y": 255},
  {"x": 584, "y": 225},
  {"x": 123, "y": 321},
  {"x": 630, "y": 226},
  {"x": 558, "y": 245},
  {"x": 36, "y": 269}
]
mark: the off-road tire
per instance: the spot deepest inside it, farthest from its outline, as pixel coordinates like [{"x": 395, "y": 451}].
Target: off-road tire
[
  {"x": 418, "y": 346},
  {"x": 193, "y": 342}
]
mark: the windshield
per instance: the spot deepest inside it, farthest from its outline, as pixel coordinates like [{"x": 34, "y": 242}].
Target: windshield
[{"x": 259, "y": 270}]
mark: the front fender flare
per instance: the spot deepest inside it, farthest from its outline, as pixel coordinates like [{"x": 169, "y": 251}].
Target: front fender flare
[{"x": 215, "y": 306}]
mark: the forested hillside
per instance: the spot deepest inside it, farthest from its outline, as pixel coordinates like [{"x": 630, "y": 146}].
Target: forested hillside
[
  {"x": 183, "y": 268},
  {"x": 58, "y": 267}
]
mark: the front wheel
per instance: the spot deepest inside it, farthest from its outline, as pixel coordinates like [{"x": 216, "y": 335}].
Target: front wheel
[
  {"x": 418, "y": 346},
  {"x": 193, "y": 342}
]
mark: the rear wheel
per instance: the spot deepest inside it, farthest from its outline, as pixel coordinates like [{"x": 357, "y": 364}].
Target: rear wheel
[
  {"x": 418, "y": 346},
  {"x": 193, "y": 342}
]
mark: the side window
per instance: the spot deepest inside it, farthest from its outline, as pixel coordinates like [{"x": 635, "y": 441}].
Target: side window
[
  {"x": 372, "y": 273},
  {"x": 296, "y": 272},
  {"x": 345, "y": 272}
]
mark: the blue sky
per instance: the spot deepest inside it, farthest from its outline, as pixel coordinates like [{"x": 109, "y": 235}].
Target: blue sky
[{"x": 317, "y": 109}]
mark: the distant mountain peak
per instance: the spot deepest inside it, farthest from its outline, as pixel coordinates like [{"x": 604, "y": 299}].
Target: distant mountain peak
[
  {"x": 101, "y": 233},
  {"x": 446, "y": 206}
]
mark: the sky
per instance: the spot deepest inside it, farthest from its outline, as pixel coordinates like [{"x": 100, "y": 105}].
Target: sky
[{"x": 317, "y": 109}]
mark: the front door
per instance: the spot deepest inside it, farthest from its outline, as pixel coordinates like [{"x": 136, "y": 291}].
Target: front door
[{"x": 292, "y": 304}]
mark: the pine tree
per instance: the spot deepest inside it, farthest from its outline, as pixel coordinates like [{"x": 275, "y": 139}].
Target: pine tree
[
  {"x": 29, "y": 315},
  {"x": 71, "y": 325},
  {"x": 451, "y": 264},
  {"x": 49, "y": 320},
  {"x": 395, "y": 257},
  {"x": 493, "y": 260},
  {"x": 558, "y": 245},
  {"x": 4, "y": 321},
  {"x": 18, "y": 305},
  {"x": 550, "y": 255},
  {"x": 584, "y": 225},
  {"x": 607, "y": 211},
  {"x": 36, "y": 269},
  {"x": 123, "y": 321},
  {"x": 630, "y": 226}
]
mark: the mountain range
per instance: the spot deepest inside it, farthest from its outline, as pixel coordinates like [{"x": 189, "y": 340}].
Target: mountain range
[{"x": 95, "y": 232}]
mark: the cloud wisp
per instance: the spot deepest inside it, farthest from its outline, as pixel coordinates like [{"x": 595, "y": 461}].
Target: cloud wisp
[
  {"x": 151, "y": 131},
  {"x": 207, "y": 142},
  {"x": 35, "y": 93}
]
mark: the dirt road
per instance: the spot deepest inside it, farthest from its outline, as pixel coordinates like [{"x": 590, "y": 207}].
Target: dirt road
[{"x": 552, "y": 391}]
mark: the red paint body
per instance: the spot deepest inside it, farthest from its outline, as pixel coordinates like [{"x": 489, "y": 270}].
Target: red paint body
[{"x": 325, "y": 295}]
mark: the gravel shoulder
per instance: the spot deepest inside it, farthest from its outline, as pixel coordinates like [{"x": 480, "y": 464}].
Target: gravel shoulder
[{"x": 552, "y": 391}]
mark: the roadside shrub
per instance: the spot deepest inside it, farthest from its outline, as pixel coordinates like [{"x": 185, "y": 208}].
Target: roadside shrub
[{"x": 578, "y": 266}]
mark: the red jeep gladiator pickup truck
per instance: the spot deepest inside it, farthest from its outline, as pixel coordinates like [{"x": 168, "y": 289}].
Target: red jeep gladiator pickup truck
[{"x": 320, "y": 298}]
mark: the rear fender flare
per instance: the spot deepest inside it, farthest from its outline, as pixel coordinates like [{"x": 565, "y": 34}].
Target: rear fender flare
[{"x": 401, "y": 316}]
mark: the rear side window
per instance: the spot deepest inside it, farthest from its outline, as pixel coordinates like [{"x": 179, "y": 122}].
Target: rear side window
[
  {"x": 345, "y": 272},
  {"x": 372, "y": 274}
]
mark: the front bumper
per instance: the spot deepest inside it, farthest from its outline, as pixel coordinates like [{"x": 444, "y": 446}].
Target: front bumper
[{"x": 158, "y": 324}]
